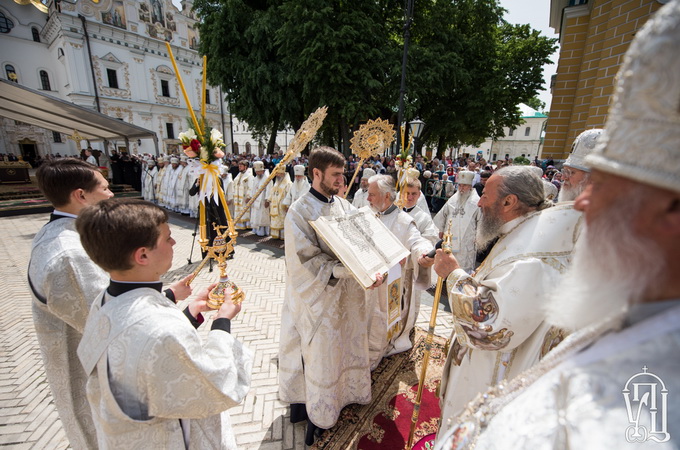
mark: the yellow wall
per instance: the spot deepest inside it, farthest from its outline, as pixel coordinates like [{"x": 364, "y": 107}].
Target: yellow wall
[{"x": 592, "y": 47}]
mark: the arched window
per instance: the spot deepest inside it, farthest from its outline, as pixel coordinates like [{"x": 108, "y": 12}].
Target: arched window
[
  {"x": 248, "y": 147},
  {"x": 235, "y": 148},
  {"x": 36, "y": 34},
  {"x": 5, "y": 24},
  {"x": 45, "y": 81},
  {"x": 11, "y": 73}
]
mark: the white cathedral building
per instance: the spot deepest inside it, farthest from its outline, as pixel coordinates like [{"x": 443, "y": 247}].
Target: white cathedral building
[{"x": 110, "y": 56}]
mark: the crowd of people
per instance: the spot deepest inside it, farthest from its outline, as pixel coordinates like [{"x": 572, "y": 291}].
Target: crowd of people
[{"x": 566, "y": 314}]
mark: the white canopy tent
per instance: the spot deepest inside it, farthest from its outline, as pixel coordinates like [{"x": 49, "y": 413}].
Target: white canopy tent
[{"x": 29, "y": 106}]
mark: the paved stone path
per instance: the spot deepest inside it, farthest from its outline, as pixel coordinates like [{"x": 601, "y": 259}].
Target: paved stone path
[{"x": 28, "y": 418}]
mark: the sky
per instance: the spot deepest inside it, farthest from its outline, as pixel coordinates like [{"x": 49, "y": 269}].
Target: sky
[{"x": 534, "y": 12}]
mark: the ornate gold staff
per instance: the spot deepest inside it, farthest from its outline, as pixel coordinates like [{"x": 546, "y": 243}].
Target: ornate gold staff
[
  {"x": 371, "y": 139},
  {"x": 302, "y": 137},
  {"x": 446, "y": 246}
]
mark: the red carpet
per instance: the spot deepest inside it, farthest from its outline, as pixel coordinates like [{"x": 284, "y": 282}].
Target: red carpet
[{"x": 385, "y": 423}]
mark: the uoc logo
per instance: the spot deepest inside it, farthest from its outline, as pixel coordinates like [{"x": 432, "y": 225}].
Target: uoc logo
[{"x": 646, "y": 399}]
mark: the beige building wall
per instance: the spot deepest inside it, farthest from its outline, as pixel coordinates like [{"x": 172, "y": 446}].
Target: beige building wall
[{"x": 594, "y": 37}]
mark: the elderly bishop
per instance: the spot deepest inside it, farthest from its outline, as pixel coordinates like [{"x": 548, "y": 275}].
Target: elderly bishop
[{"x": 278, "y": 206}]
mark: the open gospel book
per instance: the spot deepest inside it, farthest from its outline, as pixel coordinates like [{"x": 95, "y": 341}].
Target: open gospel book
[{"x": 363, "y": 244}]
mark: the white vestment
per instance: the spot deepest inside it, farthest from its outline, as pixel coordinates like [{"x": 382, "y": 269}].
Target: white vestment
[
  {"x": 158, "y": 187},
  {"x": 147, "y": 369},
  {"x": 323, "y": 354},
  {"x": 360, "y": 198},
  {"x": 228, "y": 187},
  {"x": 425, "y": 224},
  {"x": 184, "y": 183},
  {"x": 148, "y": 190},
  {"x": 175, "y": 184},
  {"x": 399, "y": 298},
  {"x": 259, "y": 213},
  {"x": 297, "y": 190},
  {"x": 600, "y": 388},
  {"x": 62, "y": 274},
  {"x": 278, "y": 195},
  {"x": 243, "y": 186},
  {"x": 463, "y": 227},
  {"x": 499, "y": 327},
  {"x": 422, "y": 203},
  {"x": 168, "y": 186}
]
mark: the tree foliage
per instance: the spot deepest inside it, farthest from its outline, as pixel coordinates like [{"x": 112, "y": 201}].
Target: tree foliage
[{"x": 278, "y": 60}]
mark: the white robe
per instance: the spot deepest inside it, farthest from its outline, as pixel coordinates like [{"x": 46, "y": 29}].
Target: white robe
[
  {"x": 148, "y": 191},
  {"x": 297, "y": 190},
  {"x": 259, "y": 213},
  {"x": 384, "y": 342},
  {"x": 360, "y": 198},
  {"x": 184, "y": 182},
  {"x": 243, "y": 186},
  {"x": 422, "y": 203},
  {"x": 173, "y": 186},
  {"x": 324, "y": 321},
  {"x": 499, "y": 329},
  {"x": 168, "y": 186},
  {"x": 158, "y": 187},
  {"x": 228, "y": 187},
  {"x": 425, "y": 224},
  {"x": 278, "y": 195},
  {"x": 575, "y": 397},
  {"x": 147, "y": 368},
  {"x": 463, "y": 227},
  {"x": 62, "y": 273}
]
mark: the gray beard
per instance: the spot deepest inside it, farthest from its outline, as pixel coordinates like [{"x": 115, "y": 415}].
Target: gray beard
[
  {"x": 463, "y": 197},
  {"x": 570, "y": 194},
  {"x": 612, "y": 268},
  {"x": 489, "y": 228}
]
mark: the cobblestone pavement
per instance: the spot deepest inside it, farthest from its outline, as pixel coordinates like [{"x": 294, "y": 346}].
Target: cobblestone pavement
[{"x": 28, "y": 418}]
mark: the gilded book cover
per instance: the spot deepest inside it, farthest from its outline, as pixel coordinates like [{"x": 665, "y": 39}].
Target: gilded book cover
[{"x": 363, "y": 244}]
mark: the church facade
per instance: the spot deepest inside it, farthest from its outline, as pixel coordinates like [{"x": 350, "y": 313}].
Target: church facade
[{"x": 110, "y": 56}]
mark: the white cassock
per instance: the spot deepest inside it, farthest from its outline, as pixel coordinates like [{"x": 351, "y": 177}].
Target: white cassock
[
  {"x": 68, "y": 281},
  {"x": 184, "y": 183},
  {"x": 324, "y": 321},
  {"x": 463, "y": 227},
  {"x": 499, "y": 327},
  {"x": 147, "y": 369},
  {"x": 297, "y": 190},
  {"x": 422, "y": 203},
  {"x": 148, "y": 192},
  {"x": 360, "y": 198},
  {"x": 174, "y": 186},
  {"x": 158, "y": 187},
  {"x": 278, "y": 194},
  {"x": 259, "y": 213},
  {"x": 424, "y": 223},
  {"x": 575, "y": 397},
  {"x": 168, "y": 186},
  {"x": 243, "y": 186},
  {"x": 399, "y": 298}
]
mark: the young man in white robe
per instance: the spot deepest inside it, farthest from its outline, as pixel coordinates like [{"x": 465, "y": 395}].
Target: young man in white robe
[
  {"x": 151, "y": 381},
  {"x": 460, "y": 210},
  {"x": 243, "y": 186},
  {"x": 400, "y": 298},
  {"x": 361, "y": 195},
  {"x": 150, "y": 174},
  {"x": 300, "y": 185},
  {"x": 278, "y": 194},
  {"x": 610, "y": 383},
  {"x": 499, "y": 323},
  {"x": 323, "y": 354},
  {"x": 64, "y": 282},
  {"x": 259, "y": 211}
]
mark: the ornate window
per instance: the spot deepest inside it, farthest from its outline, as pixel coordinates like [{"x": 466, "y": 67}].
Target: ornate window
[
  {"x": 45, "y": 81},
  {"x": 207, "y": 96},
  {"x": 5, "y": 24},
  {"x": 112, "y": 76},
  {"x": 11, "y": 72},
  {"x": 36, "y": 34},
  {"x": 165, "y": 88},
  {"x": 170, "y": 129}
]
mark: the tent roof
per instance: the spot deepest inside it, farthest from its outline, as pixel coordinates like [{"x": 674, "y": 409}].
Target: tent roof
[{"x": 26, "y": 105}]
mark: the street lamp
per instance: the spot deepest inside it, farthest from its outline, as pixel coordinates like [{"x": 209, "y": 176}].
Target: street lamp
[{"x": 415, "y": 128}]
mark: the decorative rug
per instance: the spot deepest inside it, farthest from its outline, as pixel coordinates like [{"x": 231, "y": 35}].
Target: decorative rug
[{"x": 385, "y": 423}]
